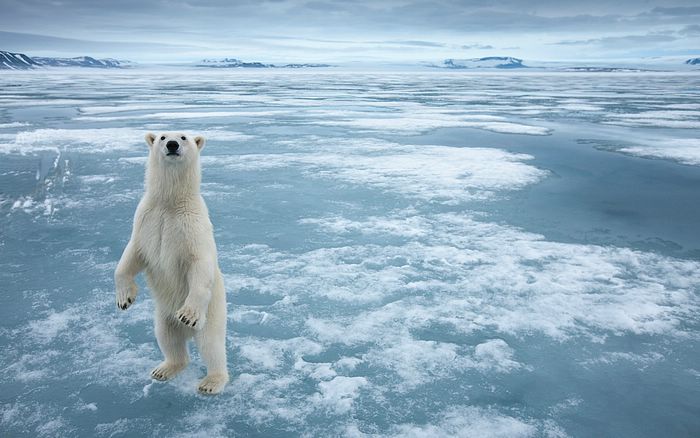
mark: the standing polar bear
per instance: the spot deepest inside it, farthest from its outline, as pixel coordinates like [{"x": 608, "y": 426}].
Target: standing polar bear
[{"x": 173, "y": 242}]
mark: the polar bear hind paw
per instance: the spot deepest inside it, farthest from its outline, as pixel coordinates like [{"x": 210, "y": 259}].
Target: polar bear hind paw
[
  {"x": 166, "y": 371},
  {"x": 213, "y": 384}
]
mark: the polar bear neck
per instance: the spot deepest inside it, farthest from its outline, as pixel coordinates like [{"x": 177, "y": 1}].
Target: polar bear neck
[{"x": 172, "y": 185}]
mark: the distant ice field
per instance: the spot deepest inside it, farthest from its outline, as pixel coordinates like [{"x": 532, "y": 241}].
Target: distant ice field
[{"x": 405, "y": 254}]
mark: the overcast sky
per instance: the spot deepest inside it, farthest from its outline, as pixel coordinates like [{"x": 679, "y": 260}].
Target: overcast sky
[{"x": 347, "y": 30}]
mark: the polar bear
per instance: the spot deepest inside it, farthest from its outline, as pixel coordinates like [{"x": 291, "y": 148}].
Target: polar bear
[{"x": 172, "y": 241}]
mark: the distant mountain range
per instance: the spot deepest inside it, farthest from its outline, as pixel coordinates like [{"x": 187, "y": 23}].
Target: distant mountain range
[
  {"x": 237, "y": 63},
  {"x": 83, "y": 61},
  {"x": 503, "y": 62},
  {"x": 508, "y": 62},
  {"x": 20, "y": 61}
]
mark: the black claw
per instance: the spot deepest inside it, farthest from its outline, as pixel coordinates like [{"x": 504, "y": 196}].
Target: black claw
[
  {"x": 129, "y": 300},
  {"x": 194, "y": 323}
]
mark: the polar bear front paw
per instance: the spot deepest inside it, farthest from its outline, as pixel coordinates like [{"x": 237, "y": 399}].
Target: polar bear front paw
[
  {"x": 166, "y": 370},
  {"x": 213, "y": 384},
  {"x": 190, "y": 316},
  {"x": 126, "y": 294}
]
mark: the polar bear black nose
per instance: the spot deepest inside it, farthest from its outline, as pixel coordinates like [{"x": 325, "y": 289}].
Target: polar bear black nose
[{"x": 172, "y": 146}]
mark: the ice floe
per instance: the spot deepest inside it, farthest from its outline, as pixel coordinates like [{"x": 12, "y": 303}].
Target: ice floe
[
  {"x": 96, "y": 140},
  {"x": 682, "y": 150},
  {"x": 435, "y": 173}
]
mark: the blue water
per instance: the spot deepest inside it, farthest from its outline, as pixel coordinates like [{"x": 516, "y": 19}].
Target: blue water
[{"x": 405, "y": 254}]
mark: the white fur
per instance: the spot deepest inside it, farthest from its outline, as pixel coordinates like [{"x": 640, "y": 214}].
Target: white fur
[{"x": 173, "y": 242}]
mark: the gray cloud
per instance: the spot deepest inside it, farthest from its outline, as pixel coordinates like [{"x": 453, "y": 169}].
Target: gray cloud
[
  {"x": 677, "y": 11},
  {"x": 692, "y": 30},
  {"x": 15, "y": 41},
  {"x": 415, "y": 43},
  {"x": 326, "y": 15},
  {"x": 476, "y": 46},
  {"x": 621, "y": 41},
  {"x": 409, "y": 28}
]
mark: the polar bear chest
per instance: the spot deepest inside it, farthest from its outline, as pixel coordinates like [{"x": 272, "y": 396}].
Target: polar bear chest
[{"x": 166, "y": 241}]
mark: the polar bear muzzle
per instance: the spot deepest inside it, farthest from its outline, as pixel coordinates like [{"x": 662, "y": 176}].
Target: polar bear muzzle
[{"x": 173, "y": 148}]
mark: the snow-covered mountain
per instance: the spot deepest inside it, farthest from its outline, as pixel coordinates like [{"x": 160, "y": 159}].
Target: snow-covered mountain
[
  {"x": 231, "y": 63},
  {"x": 20, "y": 61},
  {"x": 693, "y": 61},
  {"x": 487, "y": 62},
  {"x": 16, "y": 61},
  {"x": 237, "y": 63},
  {"x": 82, "y": 61}
]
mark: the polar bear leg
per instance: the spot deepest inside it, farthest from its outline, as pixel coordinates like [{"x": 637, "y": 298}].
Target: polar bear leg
[
  {"x": 212, "y": 347},
  {"x": 211, "y": 343},
  {"x": 172, "y": 340}
]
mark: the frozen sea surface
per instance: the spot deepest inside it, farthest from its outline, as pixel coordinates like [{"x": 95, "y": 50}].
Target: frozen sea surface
[{"x": 418, "y": 254}]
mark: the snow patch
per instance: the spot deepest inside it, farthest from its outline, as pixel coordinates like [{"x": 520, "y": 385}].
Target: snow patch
[
  {"x": 495, "y": 354},
  {"x": 338, "y": 394},
  {"x": 433, "y": 173},
  {"x": 468, "y": 422},
  {"x": 682, "y": 150},
  {"x": 96, "y": 140}
]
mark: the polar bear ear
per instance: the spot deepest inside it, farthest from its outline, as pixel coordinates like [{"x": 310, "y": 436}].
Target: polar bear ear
[
  {"x": 150, "y": 138},
  {"x": 199, "y": 141}
]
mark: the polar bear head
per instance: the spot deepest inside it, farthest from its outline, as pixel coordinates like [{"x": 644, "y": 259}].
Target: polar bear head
[
  {"x": 174, "y": 147},
  {"x": 173, "y": 169}
]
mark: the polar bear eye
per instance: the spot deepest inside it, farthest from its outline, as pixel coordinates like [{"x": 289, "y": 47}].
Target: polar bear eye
[
  {"x": 162, "y": 138},
  {"x": 183, "y": 137}
]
